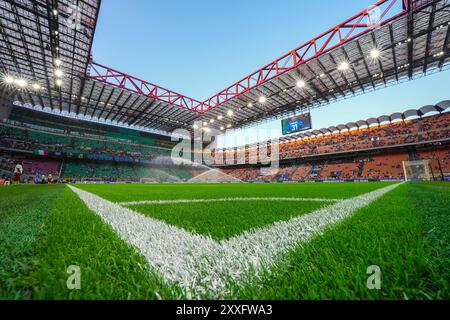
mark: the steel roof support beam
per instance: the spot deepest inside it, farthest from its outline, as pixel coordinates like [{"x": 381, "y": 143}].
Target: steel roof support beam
[
  {"x": 105, "y": 104},
  {"x": 342, "y": 74},
  {"x": 121, "y": 119},
  {"x": 429, "y": 36},
  {"x": 72, "y": 66},
  {"x": 86, "y": 68},
  {"x": 113, "y": 105},
  {"x": 98, "y": 101},
  {"x": 309, "y": 95},
  {"x": 127, "y": 108},
  {"x": 153, "y": 110},
  {"x": 394, "y": 54},
  {"x": 319, "y": 92},
  {"x": 124, "y": 81},
  {"x": 27, "y": 51},
  {"x": 352, "y": 67},
  {"x": 349, "y": 30},
  {"x": 88, "y": 100},
  {"x": 445, "y": 47},
  {"x": 380, "y": 65},
  {"x": 410, "y": 26},
  {"x": 358, "y": 45},
  {"x": 155, "y": 121},
  {"x": 140, "y": 114},
  {"x": 116, "y": 113},
  {"x": 11, "y": 51},
  {"x": 325, "y": 71},
  {"x": 117, "y": 101},
  {"x": 344, "y": 32}
]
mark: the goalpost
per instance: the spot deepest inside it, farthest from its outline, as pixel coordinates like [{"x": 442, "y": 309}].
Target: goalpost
[
  {"x": 417, "y": 170},
  {"x": 148, "y": 180}
]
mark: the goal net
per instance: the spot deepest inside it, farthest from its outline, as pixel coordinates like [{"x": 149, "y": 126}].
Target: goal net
[
  {"x": 417, "y": 170},
  {"x": 148, "y": 180}
]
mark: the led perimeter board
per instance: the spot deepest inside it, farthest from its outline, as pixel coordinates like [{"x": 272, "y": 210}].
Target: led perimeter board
[{"x": 296, "y": 124}]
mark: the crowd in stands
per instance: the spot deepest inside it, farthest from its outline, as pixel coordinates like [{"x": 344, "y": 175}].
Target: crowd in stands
[
  {"x": 29, "y": 138},
  {"x": 439, "y": 160},
  {"x": 368, "y": 167},
  {"x": 43, "y": 171},
  {"x": 383, "y": 166},
  {"x": 394, "y": 134},
  {"x": 387, "y": 166},
  {"x": 12, "y": 139},
  {"x": 33, "y": 138},
  {"x": 344, "y": 171},
  {"x": 244, "y": 174}
]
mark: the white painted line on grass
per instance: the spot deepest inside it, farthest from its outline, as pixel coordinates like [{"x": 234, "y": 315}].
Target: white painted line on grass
[
  {"x": 131, "y": 203},
  {"x": 202, "y": 265}
]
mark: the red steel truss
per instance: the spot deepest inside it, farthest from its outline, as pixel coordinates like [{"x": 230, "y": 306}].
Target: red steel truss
[
  {"x": 379, "y": 14},
  {"x": 133, "y": 84},
  {"x": 350, "y": 29}
]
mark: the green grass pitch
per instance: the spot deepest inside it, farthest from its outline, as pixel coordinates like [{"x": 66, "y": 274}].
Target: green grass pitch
[{"x": 405, "y": 232}]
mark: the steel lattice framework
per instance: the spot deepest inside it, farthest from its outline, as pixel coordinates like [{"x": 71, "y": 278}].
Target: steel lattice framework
[
  {"x": 412, "y": 37},
  {"x": 34, "y": 35},
  {"x": 412, "y": 40},
  {"x": 136, "y": 85},
  {"x": 365, "y": 21}
]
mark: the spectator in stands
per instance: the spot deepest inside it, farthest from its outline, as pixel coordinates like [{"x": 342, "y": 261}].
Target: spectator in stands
[{"x": 18, "y": 170}]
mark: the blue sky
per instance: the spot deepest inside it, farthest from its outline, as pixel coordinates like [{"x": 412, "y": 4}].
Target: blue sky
[{"x": 199, "y": 47}]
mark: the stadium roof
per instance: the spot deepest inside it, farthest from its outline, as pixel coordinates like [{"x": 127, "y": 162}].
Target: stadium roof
[{"x": 47, "y": 56}]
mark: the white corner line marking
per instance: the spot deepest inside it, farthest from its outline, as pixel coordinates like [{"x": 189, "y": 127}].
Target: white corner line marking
[
  {"x": 202, "y": 265},
  {"x": 130, "y": 203}
]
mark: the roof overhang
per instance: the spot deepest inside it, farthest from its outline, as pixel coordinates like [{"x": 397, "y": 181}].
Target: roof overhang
[{"x": 411, "y": 36}]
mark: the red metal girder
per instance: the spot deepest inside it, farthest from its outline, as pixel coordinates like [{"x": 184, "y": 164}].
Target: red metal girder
[
  {"x": 382, "y": 12},
  {"x": 124, "y": 81},
  {"x": 365, "y": 21}
]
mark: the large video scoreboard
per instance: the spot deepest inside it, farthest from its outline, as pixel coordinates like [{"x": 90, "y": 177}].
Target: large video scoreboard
[{"x": 296, "y": 124}]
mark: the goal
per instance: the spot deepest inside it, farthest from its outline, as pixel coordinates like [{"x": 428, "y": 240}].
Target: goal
[
  {"x": 148, "y": 180},
  {"x": 417, "y": 170}
]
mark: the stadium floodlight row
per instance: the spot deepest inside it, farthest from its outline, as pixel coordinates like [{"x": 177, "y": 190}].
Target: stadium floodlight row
[{"x": 47, "y": 60}]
